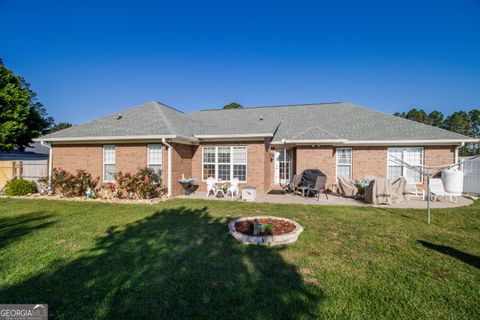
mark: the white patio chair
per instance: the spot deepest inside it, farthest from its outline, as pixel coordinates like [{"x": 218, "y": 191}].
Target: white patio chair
[
  {"x": 414, "y": 190},
  {"x": 211, "y": 186},
  {"x": 233, "y": 189},
  {"x": 437, "y": 190}
]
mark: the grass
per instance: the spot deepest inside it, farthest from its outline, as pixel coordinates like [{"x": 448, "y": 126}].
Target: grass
[{"x": 175, "y": 260}]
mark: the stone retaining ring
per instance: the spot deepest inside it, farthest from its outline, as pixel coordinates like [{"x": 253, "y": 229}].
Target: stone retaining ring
[{"x": 278, "y": 240}]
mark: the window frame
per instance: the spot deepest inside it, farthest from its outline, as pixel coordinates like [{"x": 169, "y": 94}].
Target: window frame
[
  {"x": 422, "y": 161},
  {"x": 231, "y": 163},
  {"x": 104, "y": 147},
  {"x": 161, "y": 156},
  {"x": 343, "y": 164}
]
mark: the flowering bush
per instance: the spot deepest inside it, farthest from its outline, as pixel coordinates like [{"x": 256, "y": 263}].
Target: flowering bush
[
  {"x": 145, "y": 184},
  {"x": 148, "y": 183},
  {"x": 126, "y": 185},
  {"x": 72, "y": 185}
]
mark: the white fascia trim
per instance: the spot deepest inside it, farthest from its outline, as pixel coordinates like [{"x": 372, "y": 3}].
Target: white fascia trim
[
  {"x": 228, "y": 136},
  {"x": 112, "y": 138},
  {"x": 316, "y": 142},
  {"x": 378, "y": 142},
  {"x": 411, "y": 142}
]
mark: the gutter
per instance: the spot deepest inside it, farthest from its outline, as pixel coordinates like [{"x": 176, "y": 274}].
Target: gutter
[
  {"x": 169, "y": 167},
  {"x": 399, "y": 142},
  {"x": 377, "y": 142},
  {"x": 111, "y": 138},
  {"x": 326, "y": 141},
  {"x": 228, "y": 136},
  {"x": 50, "y": 162}
]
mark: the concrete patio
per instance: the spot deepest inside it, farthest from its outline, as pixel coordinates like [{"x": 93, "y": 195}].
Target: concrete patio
[{"x": 333, "y": 199}]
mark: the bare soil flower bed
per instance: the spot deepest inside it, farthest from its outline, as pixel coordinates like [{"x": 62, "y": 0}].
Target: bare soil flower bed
[{"x": 280, "y": 226}]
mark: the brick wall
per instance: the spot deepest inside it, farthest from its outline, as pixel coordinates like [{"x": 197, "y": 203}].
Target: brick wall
[
  {"x": 181, "y": 165},
  {"x": 79, "y": 157},
  {"x": 322, "y": 158},
  {"x": 439, "y": 156},
  {"x": 367, "y": 161},
  {"x": 187, "y": 160},
  {"x": 268, "y": 168},
  {"x": 129, "y": 157}
]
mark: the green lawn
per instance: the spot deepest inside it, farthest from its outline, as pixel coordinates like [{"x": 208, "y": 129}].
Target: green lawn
[{"x": 175, "y": 260}]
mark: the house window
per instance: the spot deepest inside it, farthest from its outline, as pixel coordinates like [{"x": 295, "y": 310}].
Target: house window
[
  {"x": 239, "y": 162},
  {"x": 209, "y": 160},
  {"x": 109, "y": 162},
  {"x": 225, "y": 163},
  {"x": 401, "y": 159},
  {"x": 155, "y": 157},
  {"x": 344, "y": 162}
]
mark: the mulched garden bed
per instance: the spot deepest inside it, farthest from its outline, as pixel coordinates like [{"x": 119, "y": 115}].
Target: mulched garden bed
[{"x": 281, "y": 226}]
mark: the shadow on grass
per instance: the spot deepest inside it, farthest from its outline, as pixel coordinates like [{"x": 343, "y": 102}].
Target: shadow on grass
[
  {"x": 14, "y": 228},
  {"x": 468, "y": 258},
  {"x": 176, "y": 264}
]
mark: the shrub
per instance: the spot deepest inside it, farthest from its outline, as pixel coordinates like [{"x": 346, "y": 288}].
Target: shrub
[
  {"x": 144, "y": 184},
  {"x": 148, "y": 183},
  {"x": 20, "y": 187},
  {"x": 127, "y": 185},
  {"x": 72, "y": 185},
  {"x": 269, "y": 228}
]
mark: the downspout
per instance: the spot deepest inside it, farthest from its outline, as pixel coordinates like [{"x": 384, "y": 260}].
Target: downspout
[
  {"x": 50, "y": 163},
  {"x": 169, "y": 167},
  {"x": 456, "y": 152}
]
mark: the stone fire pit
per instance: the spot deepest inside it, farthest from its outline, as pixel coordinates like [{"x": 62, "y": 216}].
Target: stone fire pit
[{"x": 258, "y": 230}]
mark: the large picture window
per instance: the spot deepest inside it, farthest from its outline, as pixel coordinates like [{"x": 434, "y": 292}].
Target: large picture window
[
  {"x": 225, "y": 163},
  {"x": 344, "y": 162},
  {"x": 412, "y": 156},
  {"x": 109, "y": 162},
  {"x": 155, "y": 157}
]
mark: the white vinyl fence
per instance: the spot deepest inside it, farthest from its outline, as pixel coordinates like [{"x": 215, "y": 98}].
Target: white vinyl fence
[{"x": 471, "y": 172}]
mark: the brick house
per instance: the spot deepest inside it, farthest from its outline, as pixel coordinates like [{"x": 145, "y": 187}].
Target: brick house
[{"x": 262, "y": 146}]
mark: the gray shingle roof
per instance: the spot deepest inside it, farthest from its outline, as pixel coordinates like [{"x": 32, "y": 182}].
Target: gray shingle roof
[
  {"x": 148, "y": 119},
  {"x": 325, "y": 121}
]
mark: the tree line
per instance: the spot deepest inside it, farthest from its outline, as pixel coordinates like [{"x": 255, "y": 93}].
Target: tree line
[{"x": 462, "y": 122}]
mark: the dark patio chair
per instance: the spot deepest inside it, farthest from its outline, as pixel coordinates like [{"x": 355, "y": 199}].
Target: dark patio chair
[{"x": 320, "y": 184}]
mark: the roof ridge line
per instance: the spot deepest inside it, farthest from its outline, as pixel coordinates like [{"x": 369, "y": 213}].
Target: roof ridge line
[
  {"x": 167, "y": 106},
  {"x": 272, "y": 106},
  {"x": 162, "y": 116}
]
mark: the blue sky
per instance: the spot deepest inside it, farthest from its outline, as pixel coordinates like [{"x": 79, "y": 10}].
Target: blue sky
[{"x": 86, "y": 59}]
